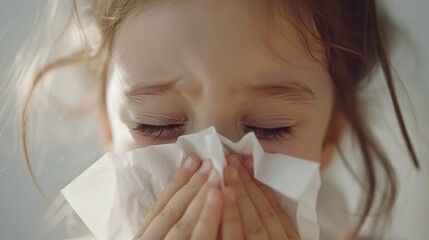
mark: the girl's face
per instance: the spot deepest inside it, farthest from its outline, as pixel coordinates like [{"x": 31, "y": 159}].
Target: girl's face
[{"x": 191, "y": 64}]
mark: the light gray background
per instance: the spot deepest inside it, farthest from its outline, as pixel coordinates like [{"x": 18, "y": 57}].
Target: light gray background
[{"x": 21, "y": 207}]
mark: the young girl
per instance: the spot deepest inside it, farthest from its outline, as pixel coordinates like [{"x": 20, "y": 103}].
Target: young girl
[{"x": 290, "y": 71}]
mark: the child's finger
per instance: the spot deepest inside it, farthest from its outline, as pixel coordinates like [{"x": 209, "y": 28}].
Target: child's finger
[
  {"x": 176, "y": 206},
  {"x": 209, "y": 220},
  {"x": 180, "y": 178},
  {"x": 252, "y": 225},
  {"x": 274, "y": 202},
  {"x": 232, "y": 228},
  {"x": 268, "y": 214},
  {"x": 184, "y": 227},
  {"x": 286, "y": 222}
]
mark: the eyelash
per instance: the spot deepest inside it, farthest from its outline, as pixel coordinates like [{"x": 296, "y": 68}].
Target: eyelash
[
  {"x": 278, "y": 134},
  {"x": 163, "y": 131},
  {"x": 175, "y": 130}
]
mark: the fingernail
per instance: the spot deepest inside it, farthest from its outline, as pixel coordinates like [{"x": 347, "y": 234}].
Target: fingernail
[
  {"x": 189, "y": 163},
  {"x": 205, "y": 168},
  {"x": 214, "y": 177},
  {"x": 235, "y": 160}
]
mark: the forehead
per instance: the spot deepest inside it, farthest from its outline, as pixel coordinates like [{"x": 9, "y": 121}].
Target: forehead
[{"x": 210, "y": 40}]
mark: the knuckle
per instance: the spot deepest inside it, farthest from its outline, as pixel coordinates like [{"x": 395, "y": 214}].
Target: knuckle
[
  {"x": 248, "y": 182},
  {"x": 277, "y": 207},
  {"x": 183, "y": 225},
  {"x": 178, "y": 179},
  {"x": 255, "y": 228},
  {"x": 270, "y": 212},
  {"x": 232, "y": 217},
  {"x": 168, "y": 212},
  {"x": 193, "y": 186},
  {"x": 159, "y": 205}
]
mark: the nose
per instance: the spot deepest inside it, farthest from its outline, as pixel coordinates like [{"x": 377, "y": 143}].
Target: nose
[
  {"x": 220, "y": 114},
  {"x": 225, "y": 125}
]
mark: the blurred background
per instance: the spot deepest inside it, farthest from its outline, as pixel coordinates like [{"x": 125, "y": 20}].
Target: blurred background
[{"x": 22, "y": 208}]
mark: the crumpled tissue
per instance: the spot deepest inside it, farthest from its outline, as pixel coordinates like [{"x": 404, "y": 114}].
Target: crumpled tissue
[{"x": 114, "y": 194}]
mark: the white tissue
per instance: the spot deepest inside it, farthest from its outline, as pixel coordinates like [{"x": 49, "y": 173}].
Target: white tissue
[{"x": 113, "y": 196}]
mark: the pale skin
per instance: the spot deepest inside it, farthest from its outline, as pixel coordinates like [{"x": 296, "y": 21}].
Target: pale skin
[{"x": 193, "y": 64}]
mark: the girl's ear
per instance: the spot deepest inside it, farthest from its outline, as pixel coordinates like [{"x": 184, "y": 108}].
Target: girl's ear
[
  {"x": 335, "y": 129},
  {"x": 104, "y": 126}
]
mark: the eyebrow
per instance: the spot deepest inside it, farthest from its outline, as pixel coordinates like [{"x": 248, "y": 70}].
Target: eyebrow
[
  {"x": 295, "y": 92},
  {"x": 151, "y": 90}
]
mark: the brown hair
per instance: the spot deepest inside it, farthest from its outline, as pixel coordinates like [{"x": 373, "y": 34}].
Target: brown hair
[{"x": 353, "y": 42}]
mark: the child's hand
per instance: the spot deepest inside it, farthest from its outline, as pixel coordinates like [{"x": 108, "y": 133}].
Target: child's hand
[
  {"x": 179, "y": 212},
  {"x": 190, "y": 207},
  {"x": 261, "y": 214}
]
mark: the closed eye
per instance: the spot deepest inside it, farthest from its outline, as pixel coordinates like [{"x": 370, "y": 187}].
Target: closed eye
[
  {"x": 161, "y": 131},
  {"x": 279, "y": 133},
  {"x": 175, "y": 130}
]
